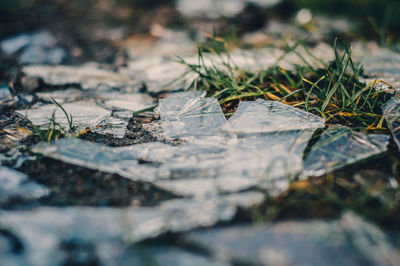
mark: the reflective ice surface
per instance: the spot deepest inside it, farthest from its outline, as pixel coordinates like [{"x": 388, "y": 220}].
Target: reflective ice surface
[{"x": 338, "y": 147}]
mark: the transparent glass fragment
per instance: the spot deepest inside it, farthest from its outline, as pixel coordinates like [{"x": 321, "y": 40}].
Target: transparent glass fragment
[
  {"x": 88, "y": 76},
  {"x": 113, "y": 126},
  {"x": 128, "y": 101},
  {"x": 300, "y": 243},
  {"x": 340, "y": 146},
  {"x": 5, "y": 93},
  {"x": 270, "y": 116},
  {"x": 84, "y": 114},
  {"x": 200, "y": 167},
  {"x": 62, "y": 96},
  {"x": 105, "y": 226},
  {"x": 391, "y": 112},
  {"x": 94, "y": 156},
  {"x": 14, "y": 184},
  {"x": 183, "y": 115},
  {"x": 221, "y": 8}
]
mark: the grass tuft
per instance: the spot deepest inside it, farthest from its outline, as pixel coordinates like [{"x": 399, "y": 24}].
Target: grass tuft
[{"x": 335, "y": 91}]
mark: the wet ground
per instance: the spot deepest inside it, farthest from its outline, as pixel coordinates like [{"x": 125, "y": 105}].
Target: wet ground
[{"x": 109, "y": 156}]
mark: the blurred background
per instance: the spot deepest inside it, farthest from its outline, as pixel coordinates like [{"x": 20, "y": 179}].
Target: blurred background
[{"x": 91, "y": 29}]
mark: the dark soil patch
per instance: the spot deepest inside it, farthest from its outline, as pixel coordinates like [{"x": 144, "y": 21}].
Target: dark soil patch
[
  {"x": 72, "y": 185},
  {"x": 135, "y": 134}
]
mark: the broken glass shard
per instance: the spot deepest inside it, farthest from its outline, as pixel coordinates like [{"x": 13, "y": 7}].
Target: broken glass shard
[
  {"x": 391, "y": 112},
  {"x": 382, "y": 62},
  {"x": 245, "y": 199},
  {"x": 185, "y": 116},
  {"x": 84, "y": 114},
  {"x": 199, "y": 167},
  {"x": 370, "y": 241},
  {"x": 181, "y": 215},
  {"x": 299, "y": 243},
  {"x": 92, "y": 155},
  {"x": 127, "y": 101},
  {"x": 113, "y": 126},
  {"x": 88, "y": 76},
  {"x": 5, "y": 93},
  {"x": 14, "y": 44},
  {"x": 62, "y": 96},
  {"x": 222, "y": 8},
  {"x": 152, "y": 254},
  {"x": 102, "y": 226},
  {"x": 270, "y": 116},
  {"x": 340, "y": 146},
  {"x": 37, "y": 48},
  {"x": 16, "y": 185}
]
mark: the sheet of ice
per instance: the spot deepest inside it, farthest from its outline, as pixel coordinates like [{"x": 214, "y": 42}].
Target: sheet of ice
[
  {"x": 183, "y": 115},
  {"x": 16, "y": 185},
  {"x": 219, "y": 8},
  {"x": 88, "y": 76},
  {"x": 391, "y": 112},
  {"x": 84, "y": 114},
  {"x": 100, "y": 226},
  {"x": 346, "y": 241},
  {"x": 340, "y": 146},
  {"x": 270, "y": 116}
]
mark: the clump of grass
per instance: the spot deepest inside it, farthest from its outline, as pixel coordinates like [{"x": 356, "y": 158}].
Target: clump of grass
[
  {"x": 334, "y": 91},
  {"x": 54, "y": 130}
]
